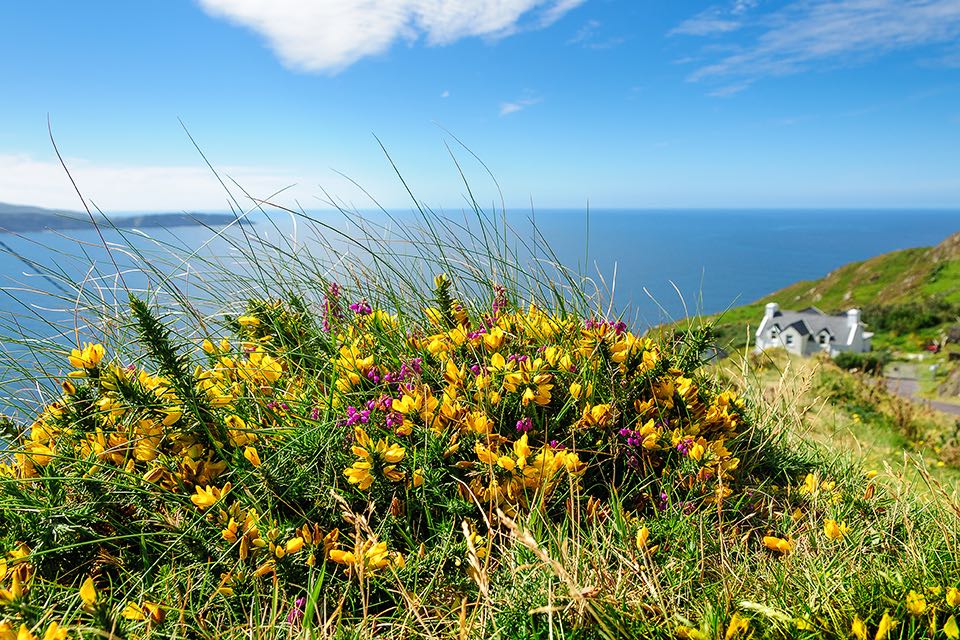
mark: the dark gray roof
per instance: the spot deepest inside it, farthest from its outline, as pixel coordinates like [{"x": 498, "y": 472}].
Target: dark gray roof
[
  {"x": 813, "y": 321},
  {"x": 801, "y": 327}
]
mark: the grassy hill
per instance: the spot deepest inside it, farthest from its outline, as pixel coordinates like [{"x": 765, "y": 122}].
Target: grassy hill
[
  {"x": 908, "y": 297},
  {"x": 15, "y": 218}
]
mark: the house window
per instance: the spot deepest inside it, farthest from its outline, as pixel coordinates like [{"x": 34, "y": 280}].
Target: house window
[
  {"x": 773, "y": 333},
  {"x": 824, "y": 338},
  {"x": 789, "y": 339}
]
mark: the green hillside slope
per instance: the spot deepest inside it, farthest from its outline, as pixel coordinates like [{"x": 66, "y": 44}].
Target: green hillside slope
[{"x": 907, "y": 296}]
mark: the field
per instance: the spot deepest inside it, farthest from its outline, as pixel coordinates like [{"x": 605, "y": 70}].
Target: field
[{"x": 433, "y": 438}]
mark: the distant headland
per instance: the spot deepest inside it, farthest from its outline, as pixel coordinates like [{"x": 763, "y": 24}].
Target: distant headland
[{"x": 15, "y": 218}]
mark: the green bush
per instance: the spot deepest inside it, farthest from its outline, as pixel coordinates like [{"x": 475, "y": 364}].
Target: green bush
[{"x": 871, "y": 362}]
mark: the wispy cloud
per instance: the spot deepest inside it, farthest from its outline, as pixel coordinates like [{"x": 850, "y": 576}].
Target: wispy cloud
[
  {"x": 506, "y": 108},
  {"x": 706, "y": 23},
  {"x": 808, "y": 34},
  {"x": 445, "y": 94},
  {"x": 330, "y": 35},
  {"x": 588, "y": 36},
  {"x": 25, "y": 179}
]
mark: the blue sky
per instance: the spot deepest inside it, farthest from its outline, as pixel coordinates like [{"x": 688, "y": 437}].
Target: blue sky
[{"x": 622, "y": 103}]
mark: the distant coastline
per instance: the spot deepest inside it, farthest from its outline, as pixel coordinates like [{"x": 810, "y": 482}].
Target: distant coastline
[{"x": 29, "y": 219}]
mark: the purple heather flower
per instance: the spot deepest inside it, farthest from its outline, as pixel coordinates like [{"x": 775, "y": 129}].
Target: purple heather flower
[
  {"x": 361, "y": 308},
  {"x": 331, "y": 306},
  {"x": 499, "y": 299},
  {"x": 524, "y": 425},
  {"x": 295, "y": 616}
]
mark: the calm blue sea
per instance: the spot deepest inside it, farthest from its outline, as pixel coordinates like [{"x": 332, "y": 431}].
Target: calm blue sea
[
  {"x": 660, "y": 265},
  {"x": 714, "y": 258}
]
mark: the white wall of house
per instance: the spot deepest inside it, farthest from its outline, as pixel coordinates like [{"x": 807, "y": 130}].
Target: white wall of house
[{"x": 853, "y": 337}]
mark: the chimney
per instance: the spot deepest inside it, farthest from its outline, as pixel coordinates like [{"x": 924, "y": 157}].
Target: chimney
[
  {"x": 772, "y": 308},
  {"x": 853, "y": 317}
]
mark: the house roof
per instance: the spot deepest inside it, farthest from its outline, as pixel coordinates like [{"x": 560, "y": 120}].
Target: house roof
[
  {"x": 813, "y": 321},
  {"x": 801, "y": 327}
]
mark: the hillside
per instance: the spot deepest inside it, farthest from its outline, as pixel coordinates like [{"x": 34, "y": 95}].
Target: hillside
[
  {"x": 16, "y": 218},
  {"x": 907, "y": 296}
]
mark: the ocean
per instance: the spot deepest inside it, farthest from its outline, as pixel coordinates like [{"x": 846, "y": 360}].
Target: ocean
[
  {"x": 713, "y": 259},
  {"x": 659, "y": 265}
]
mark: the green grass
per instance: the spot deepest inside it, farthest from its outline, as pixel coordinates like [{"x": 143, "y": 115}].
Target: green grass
[
  {"x": 647, "y": 505},
  {"x": 921, "y": 284}
]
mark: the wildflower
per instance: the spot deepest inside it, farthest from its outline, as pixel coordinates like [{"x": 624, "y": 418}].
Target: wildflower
[
  {"x": 295, "y": 615},
  {"x": 369, "y": 555},
  {"x": 372, "y": 455},
  {"x": 858, "y": 628},
  {"x": 642, "y": 536},
  {"x": 247, "y": 533},
  {"x": 205, "y": 498},
  {"x": 294, "y": 545},
  {"x": 809, "y": 484},
  {"x": 15, "y": 592},
  {"x": 250, "y": 453},
  {"x": 150, "y": 611},
  {"x": 23, "y": 634},
  {"x": 268, "y": 567},
  {"x": 916, "y": 603},
  {"x": 688, "y": 633},
  {"x": 953, "y": 596},
  {"x": 248, "y": 321},
  {"x": 779, "y": 545},
  {"x": 886, "y": 624},
  {"x": 835, "y": 530},
  {"x": 88, "y": 593},
  {"x": 55, "y": 632},
  {"x": 950, "y": 628},
  {"x": 88, "y": 357},
  {"x": 493, "y": 339},
  {"x": 738, "y": 625}
]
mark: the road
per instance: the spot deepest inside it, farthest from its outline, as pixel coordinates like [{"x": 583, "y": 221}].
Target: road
[{"x": 908, "y": 387}]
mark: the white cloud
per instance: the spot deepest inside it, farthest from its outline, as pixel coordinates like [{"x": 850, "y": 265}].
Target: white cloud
[
  {"x": 706, "y": 23},
  {"x": 445, "y": 94},
  {"x": 587, "y": 37},
  {"x": 815, "y": 33},
  {"x": 506, "y": 108},
  {"x": 27, "y": 180},
  {"x": 330, "y": 35}
]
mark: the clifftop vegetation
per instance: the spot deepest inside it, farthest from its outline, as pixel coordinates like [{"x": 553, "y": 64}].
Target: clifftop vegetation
[
  {"x": 455, "y": 446},
  {"x": 908, "y": 297}
]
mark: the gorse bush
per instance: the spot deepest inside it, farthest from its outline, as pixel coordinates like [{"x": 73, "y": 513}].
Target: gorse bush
[{"x": 476, "y": 457}]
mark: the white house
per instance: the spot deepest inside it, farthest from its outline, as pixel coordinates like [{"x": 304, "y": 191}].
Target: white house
[{"x": 810, "y": 331}]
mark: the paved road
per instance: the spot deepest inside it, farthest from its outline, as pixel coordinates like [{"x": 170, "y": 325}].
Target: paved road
[{"x": 908, "y": 388}]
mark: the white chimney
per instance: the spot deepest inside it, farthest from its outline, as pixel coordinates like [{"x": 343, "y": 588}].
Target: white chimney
[
  {"x": 853, "y": 317},
  {"x": 772, "y": 308}
]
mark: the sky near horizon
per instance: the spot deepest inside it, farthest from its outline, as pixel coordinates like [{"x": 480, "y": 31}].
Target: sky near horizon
[{"x": 619, "y": 103}]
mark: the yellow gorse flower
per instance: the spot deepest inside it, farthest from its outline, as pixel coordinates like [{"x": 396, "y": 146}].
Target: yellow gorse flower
[
  {"x": 87, "y": 357},
  {"x": 206, "y": 497},
  {"x": 252, "y": 456},
  {"x": 148, "y": 611},
  {"x": 780, "y": 545},
  {"x": 834, "y": 530},
  {"x": 916, "y": 603},
  {"x": 88, "y": 594},
  {"x": 380, "y": 455},
  {"x": 737, "y": 627},
  {"x": 886, "y": 625},
  {"x": 368, "y": 555},
  {"x": 950, "y": 628},
  {"x": 858, "y": 629}
]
